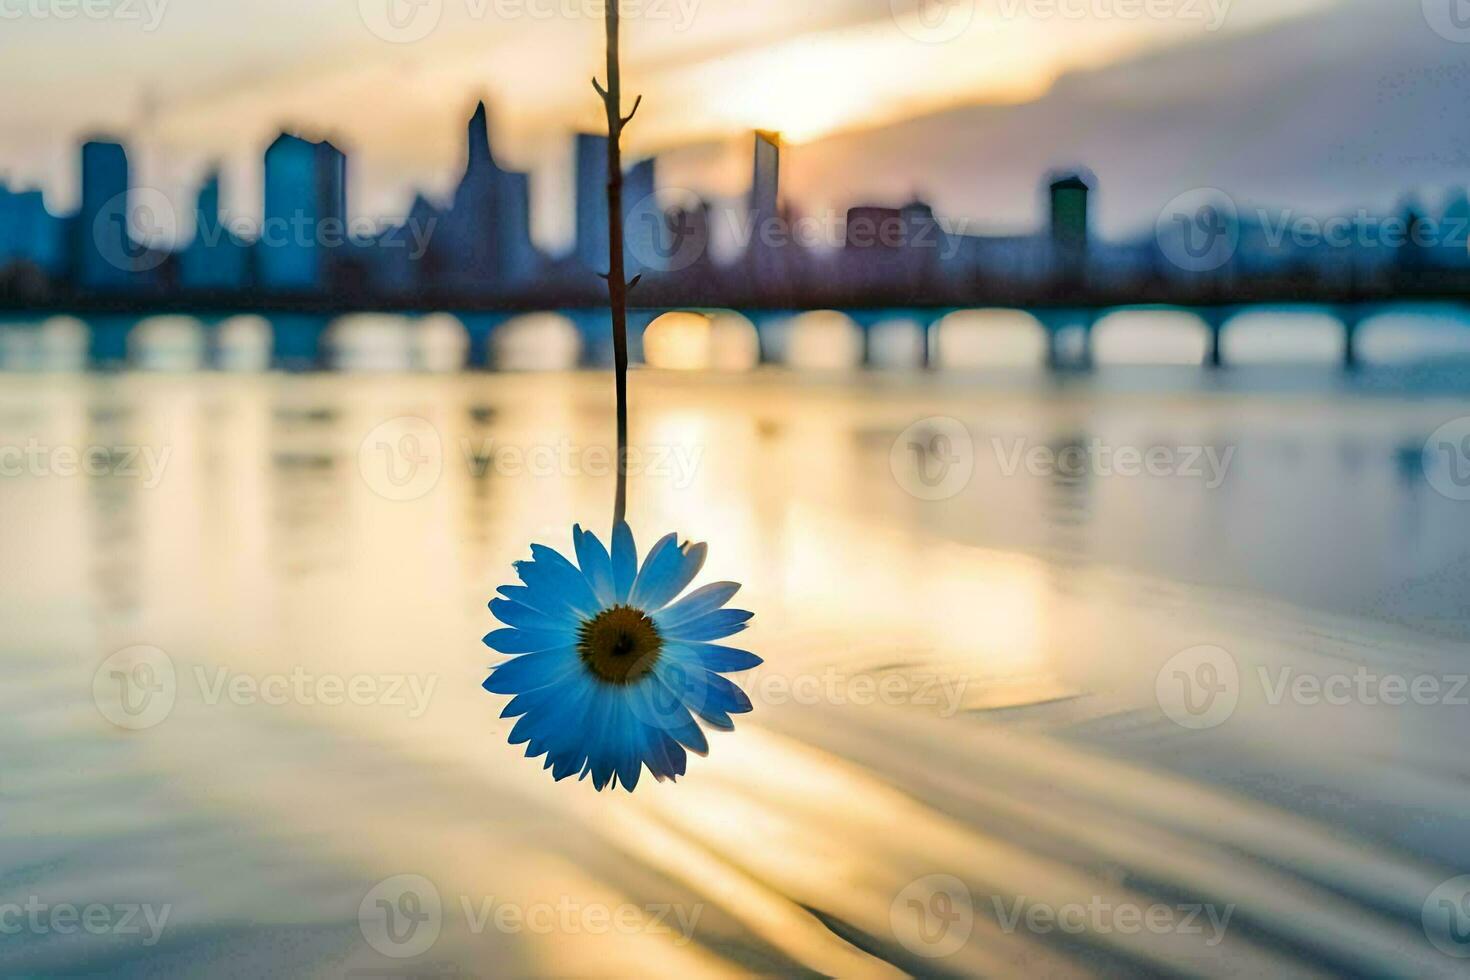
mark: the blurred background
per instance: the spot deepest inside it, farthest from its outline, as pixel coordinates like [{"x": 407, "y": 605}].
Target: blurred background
[{"x": 1081, "y": 389}]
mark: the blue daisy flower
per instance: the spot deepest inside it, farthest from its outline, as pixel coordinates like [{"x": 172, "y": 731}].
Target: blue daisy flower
[{"x": 609, "y": 666}]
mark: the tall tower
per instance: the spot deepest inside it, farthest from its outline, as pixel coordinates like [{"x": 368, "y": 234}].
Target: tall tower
[
  {"x": 305, "y": 213},
  {"x": 215, "y": 258},
  {"x": 765, "y": 185},
  {"x": 1069, "y": 228},
  {"x": 592, "y": 225},
  {"x": 103, "y": 251},
  {"x": 1069, "y": 212},
  {"x": 28, "y": 232},
  {"x": 768, "y": 264},
  {"x": 642, "y": 218}
]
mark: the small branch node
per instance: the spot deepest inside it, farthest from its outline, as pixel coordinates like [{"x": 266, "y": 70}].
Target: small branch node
[{"x": 633, "y": 111}]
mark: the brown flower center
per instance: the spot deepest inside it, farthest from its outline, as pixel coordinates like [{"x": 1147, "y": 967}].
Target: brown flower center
[{"x": 619, "y": 645}]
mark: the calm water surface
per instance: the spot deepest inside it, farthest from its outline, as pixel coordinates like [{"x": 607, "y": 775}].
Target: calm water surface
[{"x": 976, "y": 687}]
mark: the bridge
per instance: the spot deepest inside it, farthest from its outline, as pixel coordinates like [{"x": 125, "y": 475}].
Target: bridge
[{"x": 299, "y": 335}]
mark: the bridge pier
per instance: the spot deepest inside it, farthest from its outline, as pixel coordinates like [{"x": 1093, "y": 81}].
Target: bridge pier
[
  {"x": 1352, "y": 318},
  {"x": 767, "y": 323},
  {"x": 1215, "y": 320},
  {"x": 1057, "y": 323}
]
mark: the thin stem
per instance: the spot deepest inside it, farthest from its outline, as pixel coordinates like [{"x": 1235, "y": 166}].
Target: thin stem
[{"x": 617, "y": 285}]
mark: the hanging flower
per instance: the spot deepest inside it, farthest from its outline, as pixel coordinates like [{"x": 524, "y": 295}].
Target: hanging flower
[{"x": 610, "y": 667}]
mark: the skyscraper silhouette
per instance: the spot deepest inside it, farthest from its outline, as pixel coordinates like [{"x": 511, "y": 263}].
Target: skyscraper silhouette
[
  {"x": 215, "y": 259},
  {"x": 768, "y": 257},
  {"x": 305, "y": 213},
  {"x": 591, "y": 203},
  {"x": 642, "y": 217},
  {"x": 103, "y": 252},
  {"x": 483, "y": 241},
  {"x": 28, "y": 232}
]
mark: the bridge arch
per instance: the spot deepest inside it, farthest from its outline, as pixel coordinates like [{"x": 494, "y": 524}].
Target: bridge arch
[
  {"x": 989, "y": 338},
  {"x": 718, "y": 340},
  {"x": 243, "y": 343},
  {"x": 1413, "y": 333},
  {"x": 536, "y": 342},
  {"x": 168, "y": 343},
  {"x": 1150, "y": 337},
  {"x": 1283, "y": 336},
  {"x": 822, "y": 340}
]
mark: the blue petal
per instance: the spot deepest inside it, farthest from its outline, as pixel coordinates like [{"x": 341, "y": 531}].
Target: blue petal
[
  {"x": 551, "y": 570},
  {"x": 541, "y": 603},
  {"x": 624, "y": 561},
  {"x": 531, "y": 671},
  {"x": 719, "y": 658},
  {"x": 558, "y": 724},
  {"x": 595, "y": 563},
  {"x": 705, "y": 599},
  {"x": 649, "y": 702},
  {"x": 529, "y": 641},
  {"x": 711, "y": 696},
  {"x": 711, "y": 626},
  {"x": 632, "y": 750},
  {"x": 601, "y": 752},
  {"x": 668, "y": 568},
  {"x": 556, "y": 729},
  {"x": 675, "y": 761},
  {"x": 513, "y": 613}
]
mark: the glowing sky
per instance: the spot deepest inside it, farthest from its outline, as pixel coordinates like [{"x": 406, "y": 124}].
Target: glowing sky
[{"x": 192, "y": 80}]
